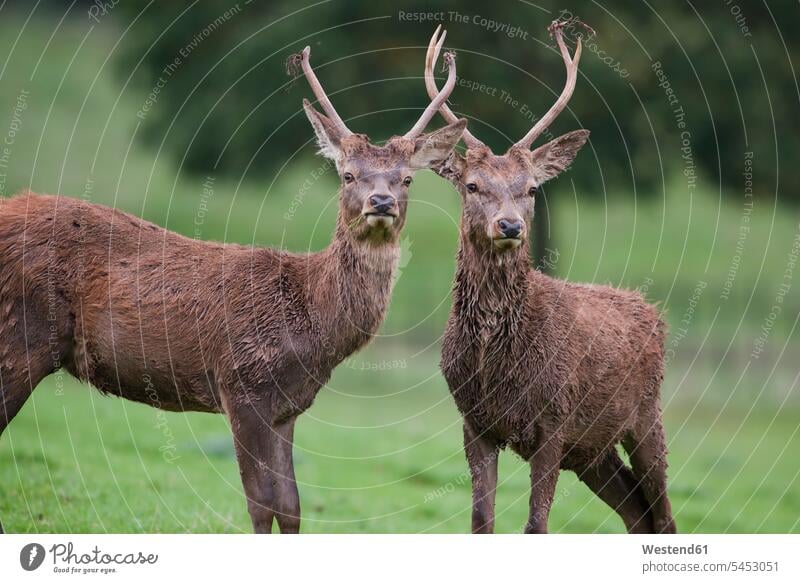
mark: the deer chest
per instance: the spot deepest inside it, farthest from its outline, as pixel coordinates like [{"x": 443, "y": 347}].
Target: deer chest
[{"x": 483, "y": 375}]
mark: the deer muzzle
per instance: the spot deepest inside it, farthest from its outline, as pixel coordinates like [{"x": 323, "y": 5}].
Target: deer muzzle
[
  {"x": 508, "y": 233},
  {"x": 381, "y": 210}
]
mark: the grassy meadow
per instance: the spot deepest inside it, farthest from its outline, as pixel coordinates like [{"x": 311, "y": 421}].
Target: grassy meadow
[{"x": 380, "y": 450}]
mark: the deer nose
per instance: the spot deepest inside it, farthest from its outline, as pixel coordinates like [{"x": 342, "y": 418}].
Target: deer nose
[
  {"x": 510, "y": 228},
  {"x": 382, "y": 203}
]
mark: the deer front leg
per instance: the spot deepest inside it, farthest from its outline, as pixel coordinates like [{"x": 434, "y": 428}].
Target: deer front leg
[
  {"x": 252, "y": 438},
  {"x": 545, "y": 465},
  {"x": 482, "y": 458},
  {"x": 287, "y": 500}
]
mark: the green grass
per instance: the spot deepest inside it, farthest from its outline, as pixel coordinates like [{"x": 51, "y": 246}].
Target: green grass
[
  {"x": 378, "y": 445},
  {"x": 378, "y": 452}
]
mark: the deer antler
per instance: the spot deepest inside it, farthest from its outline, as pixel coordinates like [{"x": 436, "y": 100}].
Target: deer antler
[
  {"x": 556, "y": 29},
  {"x": 319, "y": 92},
  {"x": 438, "y": 100},
  {"x": 434, "y": 47}
]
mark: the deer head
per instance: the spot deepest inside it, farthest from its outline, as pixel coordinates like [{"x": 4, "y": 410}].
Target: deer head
[
  {"x": 375, "y": 179},
  {"x": 498, "y": 192}
]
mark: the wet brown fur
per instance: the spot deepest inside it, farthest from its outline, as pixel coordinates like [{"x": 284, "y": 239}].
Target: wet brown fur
[{"x": 559, "y": 372}]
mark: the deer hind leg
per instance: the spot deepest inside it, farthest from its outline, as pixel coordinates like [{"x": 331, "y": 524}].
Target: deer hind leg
[
  {"x": 23, "y": 365},
  {"x": 14, "y": 392},
  {"x": 15, "y": 386},
  {"x": 615, "y": 484},
  {"x": 647, "y": 449},
  {"x": 28, "y": 353},
  {"x": 35, "y": 338}
]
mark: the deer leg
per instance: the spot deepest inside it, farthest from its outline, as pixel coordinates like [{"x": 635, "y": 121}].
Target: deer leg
[
  {"x": 482, "y": 459},
  {"x": 13, "y": 396},
  {"x": 287, "y": 500},
  {"x": 16, "y": 388},
  {"x": 545, "y": 465},
  {"x": 648, "y": 454},
  {"x": 616, "y": 485},
  {"x": 23, "y": 365},
  {"x": 252, "y": 440}
]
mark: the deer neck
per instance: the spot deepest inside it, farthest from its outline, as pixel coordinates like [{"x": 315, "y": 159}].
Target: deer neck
[
  {"x": 353, "y": 289},
  {"x": 490, "y": 287}
]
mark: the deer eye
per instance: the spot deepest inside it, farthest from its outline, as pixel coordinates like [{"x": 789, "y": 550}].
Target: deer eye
[
  {"x": 348, "y": 178},
  {"x": 472, "y": 187},
  {"x": 532, "y": 191},
  {"x": 407, "y": 180}
]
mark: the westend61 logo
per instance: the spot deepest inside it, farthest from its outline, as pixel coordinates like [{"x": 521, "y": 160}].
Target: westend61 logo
[{"x": 66, "y": 560}]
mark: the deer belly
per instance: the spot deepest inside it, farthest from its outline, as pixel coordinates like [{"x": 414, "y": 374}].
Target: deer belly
[
  {"x": 601, "y": 418},
  {"x": 153, "y": 375},
  {"x": 171, "y": 392}
]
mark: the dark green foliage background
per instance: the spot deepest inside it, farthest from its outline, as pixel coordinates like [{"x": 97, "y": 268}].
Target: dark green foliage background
[{"x": 230, "y": 105}]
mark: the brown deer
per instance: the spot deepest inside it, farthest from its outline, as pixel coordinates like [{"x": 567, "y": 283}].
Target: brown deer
[
  {"x": 559, "y": 372},
  {"x": 185, "y": 325}
]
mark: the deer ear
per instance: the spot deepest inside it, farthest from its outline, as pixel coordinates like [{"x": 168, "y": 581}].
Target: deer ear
[
  {"x": 452, "y": 168},
  {"x": 432, "y": 150},
  {"x": 329, "y": 137},
  {"x": 555, "y": 156}
]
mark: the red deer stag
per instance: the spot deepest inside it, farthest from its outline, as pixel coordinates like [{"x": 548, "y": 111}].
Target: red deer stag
[
  {"x": 557, "y": 371},
  {"x": 154, "y": 317}
]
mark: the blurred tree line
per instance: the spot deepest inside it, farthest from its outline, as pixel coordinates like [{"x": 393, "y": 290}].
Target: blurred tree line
[{"x": 669, "y": 89}]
